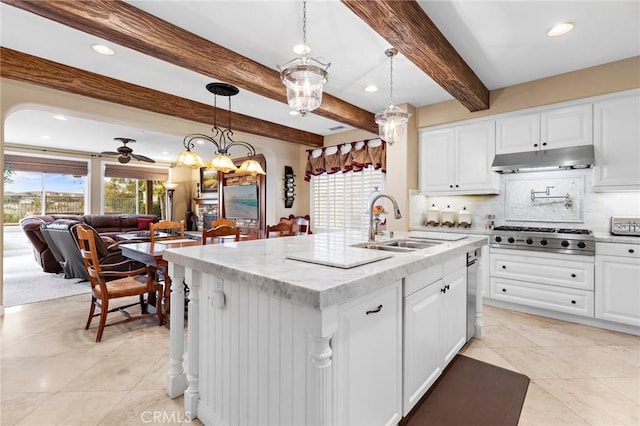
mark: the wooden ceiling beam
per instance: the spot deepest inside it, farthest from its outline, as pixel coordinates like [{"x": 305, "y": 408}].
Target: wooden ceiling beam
[
  {"x": 406, "y": 26},
  {"x": 136, "y": 29},
  {"x": 23, "y": 67}
]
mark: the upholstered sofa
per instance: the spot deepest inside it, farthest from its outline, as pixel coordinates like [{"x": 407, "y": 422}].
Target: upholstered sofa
[{"x": 108, "y": 226}]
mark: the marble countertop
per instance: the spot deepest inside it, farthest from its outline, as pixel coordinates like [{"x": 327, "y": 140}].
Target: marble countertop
[
  {"x": 608, "y": 238},
  {"x": 264, "y": 264}
]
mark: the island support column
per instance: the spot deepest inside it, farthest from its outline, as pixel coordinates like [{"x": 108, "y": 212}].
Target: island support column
[
  {"x": 322, "y": 410},
  {"x": 176, "y": 377},
  {"x": 192, "y": 394}
]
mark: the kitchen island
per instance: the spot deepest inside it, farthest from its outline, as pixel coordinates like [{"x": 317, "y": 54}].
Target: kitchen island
[{"x": 272, "y": 340}]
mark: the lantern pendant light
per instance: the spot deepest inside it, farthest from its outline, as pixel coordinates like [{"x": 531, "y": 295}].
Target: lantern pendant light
[
  {"x": 392, "y": 121},
  {"x": 304, "y": 77}
]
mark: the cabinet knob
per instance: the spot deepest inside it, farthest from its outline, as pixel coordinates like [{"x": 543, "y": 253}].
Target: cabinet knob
[
  {"x": 443, "y": 290},
  {"x": 375, "y": 311},
  {"x": 504, "y": 266},
  {"x": 573, "y": 302},
  {"x": 457, "y": 186},
  {"x": 573, "y": 275},
  {"x": 544, "y": 144},
  {"x": 450, "y": 186},
  {"x": 504, "y": 290},
  {"x": 631, "y": 251},
  {"x": 447, "y": 287},
  {"x": 535, "y": 145}
]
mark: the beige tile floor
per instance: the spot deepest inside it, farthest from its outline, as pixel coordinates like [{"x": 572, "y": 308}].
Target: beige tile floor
[{"x": 53, "y": 372}]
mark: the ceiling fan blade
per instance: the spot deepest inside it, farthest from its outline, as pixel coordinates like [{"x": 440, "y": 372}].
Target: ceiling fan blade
[
  {"x": 142, "y": 158},
  {"x": 109, "y": 153}
]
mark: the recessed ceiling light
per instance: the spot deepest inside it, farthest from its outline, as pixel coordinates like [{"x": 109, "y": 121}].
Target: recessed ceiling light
[
  {"x": 294, "y": 112},
  {"x": 45, "y": 137},
  {"x": 60, "y": 117},
  {"x": 301, "y": 48},
  {"x": 371, "y": 88},
  {"x": 164, "y": 153},
  {"x": 103, "y": 50},
  {"x": 560, "y": 28}
]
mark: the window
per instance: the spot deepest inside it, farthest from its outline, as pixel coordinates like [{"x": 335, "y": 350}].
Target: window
[
  {"x": 339, "y": 200},
  {"x": 36, "y": 186},
  {"x": 134, "y": 190}
]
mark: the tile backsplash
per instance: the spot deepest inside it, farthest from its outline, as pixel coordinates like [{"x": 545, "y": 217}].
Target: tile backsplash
[{"x": 513, "y": 206}]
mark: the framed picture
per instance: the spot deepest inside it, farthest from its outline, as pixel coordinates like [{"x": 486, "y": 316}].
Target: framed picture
[
  {"x": 241, "y": 202},
  {"x": 208, "y": 180}
]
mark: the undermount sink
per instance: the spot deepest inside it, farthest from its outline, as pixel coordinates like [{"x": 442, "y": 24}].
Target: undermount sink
[{"x": 397, "y": 245}]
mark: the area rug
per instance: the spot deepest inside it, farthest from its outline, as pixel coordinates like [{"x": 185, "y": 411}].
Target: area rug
[
  {"x": 25, "y": 282},
  {"x": 471, "y": 392}
]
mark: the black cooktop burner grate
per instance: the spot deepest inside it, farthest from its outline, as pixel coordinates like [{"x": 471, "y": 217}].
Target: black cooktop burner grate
[{"x": 547, "y": 230}]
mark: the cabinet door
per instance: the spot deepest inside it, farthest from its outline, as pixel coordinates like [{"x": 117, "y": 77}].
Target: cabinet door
[
  {"x": 519, "y": 133},
  {"x": 454, "y": 317},
  {"x": 618, "y": 289},
  {"x": 368, "y": 357},
  {"x": 616, "y": 141},
  {"x": 565, "y": 127},
  {"x": 436, "y": 160},
  {"x": 422, "y": 341},
  {"x": 475, "y": 149}
]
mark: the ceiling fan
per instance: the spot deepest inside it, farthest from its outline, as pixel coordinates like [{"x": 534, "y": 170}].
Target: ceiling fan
[{"x": 125, "y": 153}]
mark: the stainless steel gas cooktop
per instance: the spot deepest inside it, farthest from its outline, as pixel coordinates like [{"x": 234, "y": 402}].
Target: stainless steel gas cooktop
[{"x": 555, "y": 240}]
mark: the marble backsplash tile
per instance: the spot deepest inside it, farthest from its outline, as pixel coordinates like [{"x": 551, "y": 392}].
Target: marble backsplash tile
[{"x": 596, "y": 207}]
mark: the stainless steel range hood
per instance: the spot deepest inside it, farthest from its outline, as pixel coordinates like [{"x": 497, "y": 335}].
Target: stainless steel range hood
[{"x": 576, "y": 157}]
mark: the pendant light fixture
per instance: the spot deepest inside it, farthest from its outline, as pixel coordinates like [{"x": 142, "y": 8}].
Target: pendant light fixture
[
  {"x": 392, "y": 121},
  {"x": 304, "y": 77},
  {"x": 222, "y": 160}
]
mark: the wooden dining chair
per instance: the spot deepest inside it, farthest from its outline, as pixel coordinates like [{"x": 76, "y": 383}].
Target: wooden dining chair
[
  {"x": 166, "y": 230},
  {"x": 220, "y": 233},
  {"x": 222, "y": 221},
  {"x": 120, "y": 284},
  {"x": 282, "y": 229}
]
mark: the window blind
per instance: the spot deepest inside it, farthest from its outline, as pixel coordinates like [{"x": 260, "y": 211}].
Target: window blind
[
  {"x": 339, "y": 200},
  {"x": 23, "y": 163},
  {"x": 136, "y": 172}
]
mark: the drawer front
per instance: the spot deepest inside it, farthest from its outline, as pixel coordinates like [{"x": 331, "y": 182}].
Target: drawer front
[
  {"x": 544, "y": 270},
  {"x": 618, "y": 249},
  {"x": 573, "y": 301}
]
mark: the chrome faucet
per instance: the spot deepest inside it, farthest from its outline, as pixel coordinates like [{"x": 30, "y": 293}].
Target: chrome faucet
[{"x": 372, "y": 232}]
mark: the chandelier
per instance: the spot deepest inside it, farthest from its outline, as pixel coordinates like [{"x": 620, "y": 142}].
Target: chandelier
[
  {"x": 304, "y": 77},
  {"x": 222, "y": 139},
  {"x": 391, "y": 122}
]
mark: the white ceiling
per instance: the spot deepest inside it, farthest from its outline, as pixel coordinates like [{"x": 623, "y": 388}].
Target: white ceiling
[{"x": 504, "y": 42}]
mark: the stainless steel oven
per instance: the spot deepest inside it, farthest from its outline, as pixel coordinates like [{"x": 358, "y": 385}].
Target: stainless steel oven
[{"x": 473, "y": 265}]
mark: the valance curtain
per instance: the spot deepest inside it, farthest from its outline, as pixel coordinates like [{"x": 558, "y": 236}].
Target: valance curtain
[
  {"x": 348, "y": 157},
  {"x": 23, "y": 163},
  {"x": 136, "y": 172}
]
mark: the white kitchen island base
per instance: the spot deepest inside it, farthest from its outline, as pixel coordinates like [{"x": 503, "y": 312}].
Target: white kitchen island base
[{"x": 263, "y": 349}]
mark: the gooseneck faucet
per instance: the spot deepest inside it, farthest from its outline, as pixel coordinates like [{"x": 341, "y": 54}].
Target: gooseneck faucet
[{"x": 372, "y": 233}]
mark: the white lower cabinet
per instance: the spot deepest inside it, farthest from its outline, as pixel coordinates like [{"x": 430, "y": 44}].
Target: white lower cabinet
[
  {"x": 618, "y": 282},
  {"x": 559, "y": 282},
  {"x": 368, "y": 359},
  {"x": 434, "y": 326}
]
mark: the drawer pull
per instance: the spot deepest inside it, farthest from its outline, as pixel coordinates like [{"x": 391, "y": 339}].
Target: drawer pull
[
  {"x": 573, "y": 302},
  {"x": 443, "y": 290},
  {"x": 447, "y": 287},
  {"x": 504, "y": 290},
  {"x": 375, "y": 311},
  {"x": 573, "y": 275},
  {"x": 631, "y": 251},
  {"x": 504, "y": 266}
]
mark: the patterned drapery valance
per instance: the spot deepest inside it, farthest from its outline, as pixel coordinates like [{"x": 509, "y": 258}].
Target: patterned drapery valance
[{"x": 347, "y": 157}]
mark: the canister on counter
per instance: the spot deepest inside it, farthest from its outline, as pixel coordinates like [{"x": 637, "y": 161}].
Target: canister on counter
[
  {"x": 448, "y": 217},
  {"x": 433, "y": 216},
  {"x": 464, "y": 218}
]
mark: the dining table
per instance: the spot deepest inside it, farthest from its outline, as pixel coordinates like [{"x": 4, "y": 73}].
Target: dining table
[{"x": 151, "y": 255}]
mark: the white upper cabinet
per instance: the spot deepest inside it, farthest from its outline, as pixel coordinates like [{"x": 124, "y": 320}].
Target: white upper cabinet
[
  {"x": 555, "y": 128},
  {"x": 457, "y": 160},
  {"x": 616, "y": 141}
]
